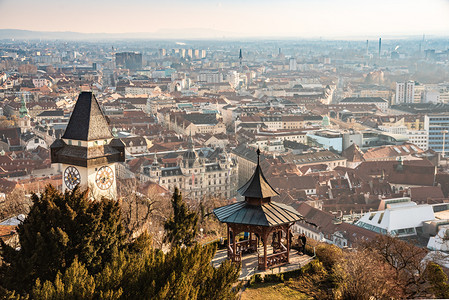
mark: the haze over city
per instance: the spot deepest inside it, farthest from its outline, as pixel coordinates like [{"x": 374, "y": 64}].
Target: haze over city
[
  {"x": 203, "y": 150},
  {"x": 251, "y": 18}
]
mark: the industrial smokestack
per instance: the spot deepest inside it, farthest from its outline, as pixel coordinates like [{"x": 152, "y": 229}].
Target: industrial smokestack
[
  {"x": 380, "y": 46},
  {"x": 367, "y": 44}
]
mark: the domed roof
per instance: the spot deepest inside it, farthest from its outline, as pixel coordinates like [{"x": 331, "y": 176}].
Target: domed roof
[{"x": 190, "y": 155}]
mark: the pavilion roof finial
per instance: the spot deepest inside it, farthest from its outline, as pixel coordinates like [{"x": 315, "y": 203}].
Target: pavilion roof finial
[{"x": 257, "y": 186}]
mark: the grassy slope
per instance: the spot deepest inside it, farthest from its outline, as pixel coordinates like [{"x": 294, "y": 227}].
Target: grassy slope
[{"x": 271, "y": 291}]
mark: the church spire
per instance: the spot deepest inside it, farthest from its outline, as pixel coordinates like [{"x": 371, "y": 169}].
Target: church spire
[{"x": 23, "y": 110}]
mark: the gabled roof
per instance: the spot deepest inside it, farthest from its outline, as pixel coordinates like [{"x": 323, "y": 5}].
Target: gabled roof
[
  {"x": 353, "y": 153},
  {"x": 87, "y": 121},
  {"x": 257, "y": 186},
  {"x": 268, "y": 214}
]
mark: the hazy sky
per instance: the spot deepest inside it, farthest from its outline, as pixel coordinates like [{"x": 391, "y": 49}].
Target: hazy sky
[{"x": 300, "y": 18}]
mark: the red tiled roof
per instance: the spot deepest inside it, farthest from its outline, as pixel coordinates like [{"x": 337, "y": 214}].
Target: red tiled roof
[
  {"x": 325, "y": 224},
  {"x": 423, "y": 193},
  {"x": 391, "y": 151}
]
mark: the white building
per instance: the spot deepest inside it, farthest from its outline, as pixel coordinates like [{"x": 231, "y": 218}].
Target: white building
[
  {"x": 34, "y": 142},
  {"x": 431, "y": 96},
  {"x": 40, "y": 82},
  {"x": 405, "y": 92},
  {"x": 199, "y": 173},
  {"x": 292, "y": 64},
  {"x": 419, "y": 138},
  {"x": 439, "y": 242},
  {"x": 400, "y": 129},
  {"x": 400, "y": 217},
  {"x": 210, "y": 77},
  {"x": 233, "y": 78}
]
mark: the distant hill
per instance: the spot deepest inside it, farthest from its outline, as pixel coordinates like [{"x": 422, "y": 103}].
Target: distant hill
[{"x": 192, "y": 33}]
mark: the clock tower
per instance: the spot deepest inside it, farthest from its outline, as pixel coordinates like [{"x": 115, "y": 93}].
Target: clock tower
[{"x": 87, "y": 152}]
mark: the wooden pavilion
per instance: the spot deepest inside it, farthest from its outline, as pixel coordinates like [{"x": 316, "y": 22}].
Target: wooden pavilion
[{"x": 262, "y": 219}]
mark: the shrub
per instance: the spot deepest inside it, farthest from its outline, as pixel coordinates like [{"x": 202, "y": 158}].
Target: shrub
[
  {"x": 273, "y": 278},
  {"x": 328, "y": 255},
  {"x": 314, "y": 267}
]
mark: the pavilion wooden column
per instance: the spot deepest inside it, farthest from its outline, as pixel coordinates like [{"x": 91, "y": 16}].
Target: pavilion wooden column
[
  {"x": 265, "y": 266},
  {"x": 229, "y": 240},
  {"x": 280, "y": 233},
  {"x": 288, "y": 243},
  {"x": 234, "y": 243},
  {"x": 265, "y": 234}
]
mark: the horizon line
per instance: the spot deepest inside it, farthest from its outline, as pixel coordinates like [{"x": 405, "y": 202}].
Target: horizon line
[{"x": 217, "y": 35}]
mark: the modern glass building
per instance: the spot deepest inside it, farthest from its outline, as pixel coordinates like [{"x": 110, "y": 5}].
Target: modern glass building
[{"x": 437, "y": 127}]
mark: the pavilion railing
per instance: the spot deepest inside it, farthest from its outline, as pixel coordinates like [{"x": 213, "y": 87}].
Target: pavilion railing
[
  {"x": 277, "y": 259},
  {"x": 273, "y": 260},
  {"x": 234, "y": 257},
  {"x": 245, "y": 246}
]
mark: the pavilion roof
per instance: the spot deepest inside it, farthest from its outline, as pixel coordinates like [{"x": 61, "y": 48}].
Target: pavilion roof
[{"x": 268, "y": 214}]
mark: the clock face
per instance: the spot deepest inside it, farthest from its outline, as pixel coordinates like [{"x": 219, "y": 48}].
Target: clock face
[
  {"x": 72, "y": 177},
  {"x": 104, "y": 178}
]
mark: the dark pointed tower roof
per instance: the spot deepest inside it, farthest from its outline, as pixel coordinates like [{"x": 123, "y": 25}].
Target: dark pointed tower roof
[
  {"x": 190, "y": 154},
  {"x": 257, "y": 186},
  {"x": 87, "y": 121}
]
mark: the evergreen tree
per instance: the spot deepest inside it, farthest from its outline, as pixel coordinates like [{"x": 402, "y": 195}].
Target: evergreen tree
[
  {"x": 182, "y": 273},
  {"x": 438, "y": 281},
  {"x": 58, "y": 229},
  {"x": 181, "y": 228},
  {"x": 74, "y": 248}
]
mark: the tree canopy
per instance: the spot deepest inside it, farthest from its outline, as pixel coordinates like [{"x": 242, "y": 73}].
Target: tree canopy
[
  {"x": 75, "y": 248},
  {"x": 181, "y": 228}
]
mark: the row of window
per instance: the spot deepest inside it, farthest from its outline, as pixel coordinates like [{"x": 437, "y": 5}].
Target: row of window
[{"x": 214, "y": 182}]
